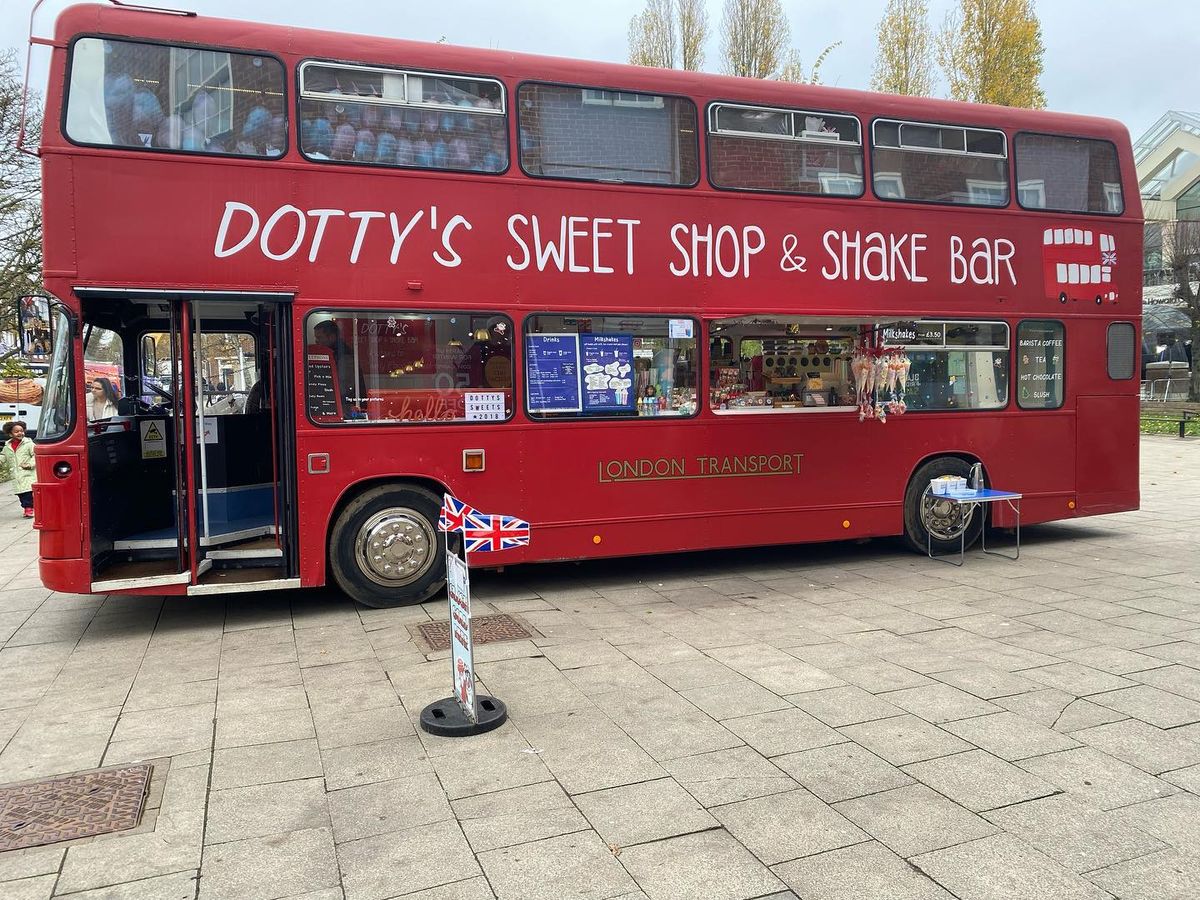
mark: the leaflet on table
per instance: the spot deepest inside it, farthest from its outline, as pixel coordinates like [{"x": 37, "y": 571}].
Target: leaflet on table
[
  {"x": 607, "y": 371},
  {"x": 552, "y": 366}
]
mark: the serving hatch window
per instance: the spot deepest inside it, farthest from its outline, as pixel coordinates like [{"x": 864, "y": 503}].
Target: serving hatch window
[
  {"x": 790, "y": 151},
  {"x": 610, "y": 366},
  {"x": 183, "y": 99},
  {"x": 780, "y": 364},
  {"x": 393, "y": 367},
  {"x": 958, "y": 365},
  {"x": 939, "y": 163},
  {"x": 604, "y": 135},
  {"x": 391, "y": 117},
  {"x": 1070, "y": 174}
]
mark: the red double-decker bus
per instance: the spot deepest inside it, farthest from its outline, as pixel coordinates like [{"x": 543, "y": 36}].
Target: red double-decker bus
[{"x": 645, "y": 310}]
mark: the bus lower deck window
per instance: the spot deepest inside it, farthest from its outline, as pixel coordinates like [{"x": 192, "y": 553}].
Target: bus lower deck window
[
  {"x": 405, "y": 368},
  {"x": 772, "y": 364},
  {"x": 968, "y": 370},
  {"x": 610, "y": 366}
]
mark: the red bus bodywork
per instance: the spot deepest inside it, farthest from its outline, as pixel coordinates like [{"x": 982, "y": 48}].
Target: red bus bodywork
[{"x": 139, "y": 220}]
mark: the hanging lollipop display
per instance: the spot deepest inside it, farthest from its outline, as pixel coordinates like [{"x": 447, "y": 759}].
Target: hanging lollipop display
[
  {"x": 880, "y": 378},
  {"x": 861, "y": 367}
]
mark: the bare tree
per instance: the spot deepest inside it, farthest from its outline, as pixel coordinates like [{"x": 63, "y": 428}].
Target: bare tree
[
  {"x": 692, "y": 16},
  {"x": 755, "y": 37},
  {"x": 667, "y": 30},
  {"x": 20, "y": 197},
  {"x": 652, "y": 35},
  {"x": 793, "y": 68},
  {"x": 1181, "y": 255}
]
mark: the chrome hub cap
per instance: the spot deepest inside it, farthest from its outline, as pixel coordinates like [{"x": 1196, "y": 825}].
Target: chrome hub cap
[
  {"x": 395, "y": 547},
  {"x": 944, "y": 520}
]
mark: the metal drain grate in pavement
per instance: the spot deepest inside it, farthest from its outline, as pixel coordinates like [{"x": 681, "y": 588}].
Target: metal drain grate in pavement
[
  {"x": 71, "y": 807},
  {"x": 484, "y": 630}
]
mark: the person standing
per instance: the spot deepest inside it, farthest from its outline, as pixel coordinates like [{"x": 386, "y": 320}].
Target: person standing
[{"x": 18, "y": 453}]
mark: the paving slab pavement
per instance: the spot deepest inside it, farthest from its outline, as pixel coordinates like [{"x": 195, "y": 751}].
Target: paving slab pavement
[{"x": 827, "y": 722}]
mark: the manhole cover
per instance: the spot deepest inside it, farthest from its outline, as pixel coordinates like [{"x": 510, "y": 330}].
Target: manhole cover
[
  {"x": 484, "y": 630},
  {"x": 75, "y": 806}
]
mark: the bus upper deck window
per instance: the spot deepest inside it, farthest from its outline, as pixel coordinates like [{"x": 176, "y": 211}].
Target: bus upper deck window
[
  {"x": 1068, "y": 174},
  {"x": 390, "y": 117},
  {"x": 939, "y": 163},
  {"x": 594, "y": 134},
  {"x": 181, "y": 99},
  {"x": 787, "y": 151}
]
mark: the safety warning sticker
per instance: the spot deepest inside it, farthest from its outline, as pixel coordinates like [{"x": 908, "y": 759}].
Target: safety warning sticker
[{"x": 154, "y": 438}]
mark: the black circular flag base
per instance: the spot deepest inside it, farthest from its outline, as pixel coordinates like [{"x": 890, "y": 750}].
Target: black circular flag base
[{"x": 445, "y": 717}]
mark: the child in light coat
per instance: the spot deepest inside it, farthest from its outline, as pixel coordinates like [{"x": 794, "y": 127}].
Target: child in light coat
[{"x": 18, "y": 454}]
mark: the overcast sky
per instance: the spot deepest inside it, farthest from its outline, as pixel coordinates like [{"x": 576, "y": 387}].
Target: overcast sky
[{"x": 1128, "y": 59}]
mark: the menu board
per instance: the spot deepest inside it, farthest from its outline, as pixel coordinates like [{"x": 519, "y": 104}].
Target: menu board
[
  {"x": 320, "y": 384},
  {"x": 607, "y": 364},
  {"x": 914, "y": 334},
  {"x": 552, "y": 372},
  {"x": 1040, "y": 365}
]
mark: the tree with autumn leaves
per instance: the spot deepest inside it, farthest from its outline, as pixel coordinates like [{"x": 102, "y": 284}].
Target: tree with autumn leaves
[
  {"x": 990, "y": 51},
  {"x": 904, "y": 58}
]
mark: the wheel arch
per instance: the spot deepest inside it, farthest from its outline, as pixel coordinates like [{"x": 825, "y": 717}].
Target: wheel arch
[
  {"x": 358, "y": 488},
  {"x": 340, "y": 571},
  {"x": 965, "y": 455}
]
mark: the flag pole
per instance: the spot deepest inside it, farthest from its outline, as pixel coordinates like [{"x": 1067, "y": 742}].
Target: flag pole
[{"x": 452, "y": 716}]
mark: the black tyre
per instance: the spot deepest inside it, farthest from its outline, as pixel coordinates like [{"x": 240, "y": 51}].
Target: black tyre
[
  {"x": 385, "y": 549},
  {"x": 929, "y": 519}
]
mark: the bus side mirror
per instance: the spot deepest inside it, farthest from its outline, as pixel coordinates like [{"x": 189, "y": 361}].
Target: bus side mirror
[
  {"x": 149, "y": 355},
  {"x": 59, "y": 306}
]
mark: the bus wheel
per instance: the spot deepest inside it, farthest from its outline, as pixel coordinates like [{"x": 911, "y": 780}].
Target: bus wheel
[
  {"x": 932, "y": 520},
  {"x": 385, "y": 549}
]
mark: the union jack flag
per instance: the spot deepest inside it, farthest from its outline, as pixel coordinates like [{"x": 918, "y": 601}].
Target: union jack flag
[
  {"x": 495, "y": 532},
  {"x": 1108, "y": 258},
  {"x": 457, "y": 516},
  {"x": 482, "y": 532}
]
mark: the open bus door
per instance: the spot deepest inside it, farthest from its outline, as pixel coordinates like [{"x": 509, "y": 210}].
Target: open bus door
[
  {"x": 243, "y": 426},
  {"x": 191, "y": 482}
]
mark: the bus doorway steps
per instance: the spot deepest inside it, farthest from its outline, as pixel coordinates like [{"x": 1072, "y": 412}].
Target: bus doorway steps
[
  {"x": 240, "y": 581},
  {"x": 264, "y": 548},
  {"x": 130, "y": 574}
]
